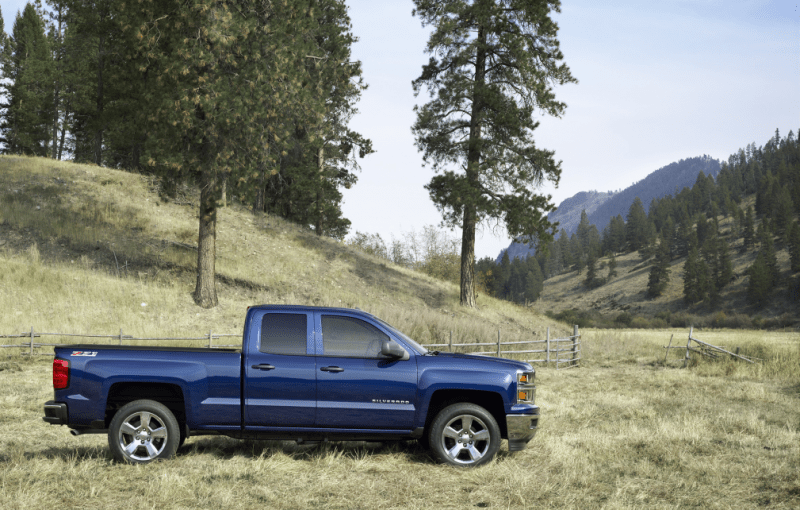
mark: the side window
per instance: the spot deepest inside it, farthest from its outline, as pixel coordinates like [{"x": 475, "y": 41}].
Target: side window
[
  {"x": 348, "y": 337},
  {"x": 284, "y": 333}
]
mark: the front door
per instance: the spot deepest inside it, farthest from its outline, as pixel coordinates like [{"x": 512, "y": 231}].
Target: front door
[{"x": 356, "y": 387}]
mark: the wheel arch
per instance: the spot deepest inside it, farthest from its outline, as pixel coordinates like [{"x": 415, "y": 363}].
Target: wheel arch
[
  {"x": 491, "y": 401},
  {"x": 170, "y": 395}
]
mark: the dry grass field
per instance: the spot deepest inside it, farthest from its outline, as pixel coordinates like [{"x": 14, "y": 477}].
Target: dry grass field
[
  {"x": 623, "y": 431},
  {"x": 83, "y": 248}
]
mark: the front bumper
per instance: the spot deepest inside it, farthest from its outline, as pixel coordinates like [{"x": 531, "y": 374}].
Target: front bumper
[
  {"x": 55, "y": 413},
  {"x": 521, "y": 429}
]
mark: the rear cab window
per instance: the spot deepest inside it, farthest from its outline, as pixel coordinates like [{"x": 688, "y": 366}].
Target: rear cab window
[{"x": 284, "y": 333}]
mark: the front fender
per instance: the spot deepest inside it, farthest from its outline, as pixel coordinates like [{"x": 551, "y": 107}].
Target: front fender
[{"x": 433, "y": 379}]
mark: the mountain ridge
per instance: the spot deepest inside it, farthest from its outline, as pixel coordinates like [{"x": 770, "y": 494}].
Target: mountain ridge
[{"x": 602, "y": 206}]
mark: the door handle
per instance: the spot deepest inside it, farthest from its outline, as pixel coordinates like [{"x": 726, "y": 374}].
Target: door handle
[
  {"x": 331, "y": 369},
  {"x": 263, "y": 366}
]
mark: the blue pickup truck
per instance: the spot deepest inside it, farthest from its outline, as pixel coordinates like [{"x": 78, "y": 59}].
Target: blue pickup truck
[{"x": 303, "y": 373}]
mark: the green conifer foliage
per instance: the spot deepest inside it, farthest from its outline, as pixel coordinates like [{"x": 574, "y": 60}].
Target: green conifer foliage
[
  {"x": 494, "y": 62},
  {"x": 26, "y": 122},
  {"x": 794, "y": 247},
  {"x": 659, "y": 274},
  {"x": 695, "y": 278}
]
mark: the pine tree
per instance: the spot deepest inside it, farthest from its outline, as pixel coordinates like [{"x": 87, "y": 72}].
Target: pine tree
[
  {"x": 26, "y": 122},
  {"x": 749, "y": 229},
  {"x": 759, "y": 286},
  {"x": 636, "y": 226},
  {"x": 493, "y": 64},
  {"x": 794, "y": 247},
  {"x": 591, "y": 280},
  {"x": 227, "y": 84},
  {"x": 659, "y": 273},
  {"x": 695, "y": 278},
  {"x": 533, "y": 283},
  {"x": 612, "y": 268}
]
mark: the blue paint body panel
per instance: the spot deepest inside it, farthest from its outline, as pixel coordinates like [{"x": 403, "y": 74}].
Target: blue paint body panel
[{"x": 309, "y": 393}]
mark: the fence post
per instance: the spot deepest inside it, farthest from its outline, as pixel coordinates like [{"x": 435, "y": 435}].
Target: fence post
[
  {"x": 498, "y": 343},
  {"x": 31, "y": 342},
  {"x": 575, "y": 336},
  {"x": 209, "y": 339},
  {"x": 668, "y": 346},
  {"x": 548, "y": 346},
  {"x": 688, "y": 345}
]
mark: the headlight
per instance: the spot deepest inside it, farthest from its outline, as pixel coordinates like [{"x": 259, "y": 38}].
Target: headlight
[{"x": 526, "y": 391}]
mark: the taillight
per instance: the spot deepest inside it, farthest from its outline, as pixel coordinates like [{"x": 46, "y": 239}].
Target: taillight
[{"x": 60, "y": 374}]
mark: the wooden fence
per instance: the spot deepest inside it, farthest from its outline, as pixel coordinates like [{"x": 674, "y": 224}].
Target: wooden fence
[
  {"x": 564, "y": 352},
  {"x": 704, "y": 349},
  {"x": 32, "y": 344}
]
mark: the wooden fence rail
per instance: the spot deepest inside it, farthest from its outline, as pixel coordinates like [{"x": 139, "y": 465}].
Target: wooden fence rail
[
  {"x": 704, "y": 349},
  {"x": 552, "y": 352},
  {"x": 565, "y": 352}
]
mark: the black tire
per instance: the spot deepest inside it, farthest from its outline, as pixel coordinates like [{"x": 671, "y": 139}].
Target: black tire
[
  {"x": 143, "y": 431},
  {"x": 464, "y": 435}
]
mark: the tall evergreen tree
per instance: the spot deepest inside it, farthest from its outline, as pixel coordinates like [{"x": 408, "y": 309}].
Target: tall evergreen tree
[
  {"x": 592, "y": 280},
  {"x": 695, "y": 278},
  {"x": 219, "y": 75},
  {"x": 26, "y": 121},
  {"x": 659, "y": 274},
  {"x": 760, "y": 283},
  {"x": 494, "y": 62},
  {"x": 636, "y": 226},
  {"x": 794, "y": 247},
  {"x": 612, "y": 268}
]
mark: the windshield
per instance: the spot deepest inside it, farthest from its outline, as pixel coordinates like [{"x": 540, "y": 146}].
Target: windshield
[{"x": 417, "y": 347}]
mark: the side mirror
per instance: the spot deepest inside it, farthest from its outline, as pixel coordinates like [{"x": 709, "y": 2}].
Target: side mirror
[{"x": 392, "y": 349}]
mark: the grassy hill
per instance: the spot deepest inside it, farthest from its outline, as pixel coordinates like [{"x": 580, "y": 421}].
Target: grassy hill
[
  {"x": 627, "y": 292},
  {"x": 92, "y": 250}
]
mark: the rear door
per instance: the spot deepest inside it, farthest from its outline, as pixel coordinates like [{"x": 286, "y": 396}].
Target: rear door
[
  {"x": 357, "y": 388},
  {"x": 280, "y": 383}
]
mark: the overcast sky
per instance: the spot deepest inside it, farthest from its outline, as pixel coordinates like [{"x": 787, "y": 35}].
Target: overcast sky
[{"x": 658, "y": 82}]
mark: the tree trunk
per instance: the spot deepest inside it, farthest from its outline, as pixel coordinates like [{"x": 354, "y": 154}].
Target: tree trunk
[
  {"x": 321, "y": 166},
  {"x": 67, "y": 112},
  {"x": 205, "y": 292},
  {"x": 98, "y": 135},
  {"x": 468, "y": 258},
  {"x": 56, "y": 152},
  {"x": 473, "y": 161}
]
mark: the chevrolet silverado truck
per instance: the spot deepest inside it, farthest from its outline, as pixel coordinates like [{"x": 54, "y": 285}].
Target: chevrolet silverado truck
[{"x": 307, "y": 374}]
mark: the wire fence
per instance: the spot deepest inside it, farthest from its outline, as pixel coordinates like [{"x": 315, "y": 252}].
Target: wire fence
[{"x": 564, "y": 352}]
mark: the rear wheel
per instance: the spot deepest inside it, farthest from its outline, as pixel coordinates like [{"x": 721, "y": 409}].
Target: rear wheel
[
  {"x": 464, "y": 435},
  {"x": 143, "y": 431}
]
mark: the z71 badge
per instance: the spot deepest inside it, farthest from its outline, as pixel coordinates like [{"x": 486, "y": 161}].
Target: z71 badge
[{"x": 84, "y": 353}]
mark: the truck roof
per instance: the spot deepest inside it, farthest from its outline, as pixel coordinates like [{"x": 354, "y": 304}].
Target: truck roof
[{"x": 298, "y": 308}]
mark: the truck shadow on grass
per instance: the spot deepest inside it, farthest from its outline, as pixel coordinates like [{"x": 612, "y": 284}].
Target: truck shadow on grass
[{"x": 224, "y": 448}]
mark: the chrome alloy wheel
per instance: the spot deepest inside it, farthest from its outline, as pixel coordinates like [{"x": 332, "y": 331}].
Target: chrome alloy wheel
[
  {"x": 466, "y": 439},
  {"x": 142, "y": 436}
]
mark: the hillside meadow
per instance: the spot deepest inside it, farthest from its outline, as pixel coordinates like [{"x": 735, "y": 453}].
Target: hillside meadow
[{"x": 85, "y": 249}]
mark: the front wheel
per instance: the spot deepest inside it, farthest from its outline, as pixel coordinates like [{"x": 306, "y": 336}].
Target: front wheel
[
  {"x": 464, "y": 435},
  {"x": 143, "y": 431}
]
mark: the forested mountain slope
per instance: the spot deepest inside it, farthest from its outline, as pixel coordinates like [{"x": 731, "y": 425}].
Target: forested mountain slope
[{"x": 602, "y": 206}]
